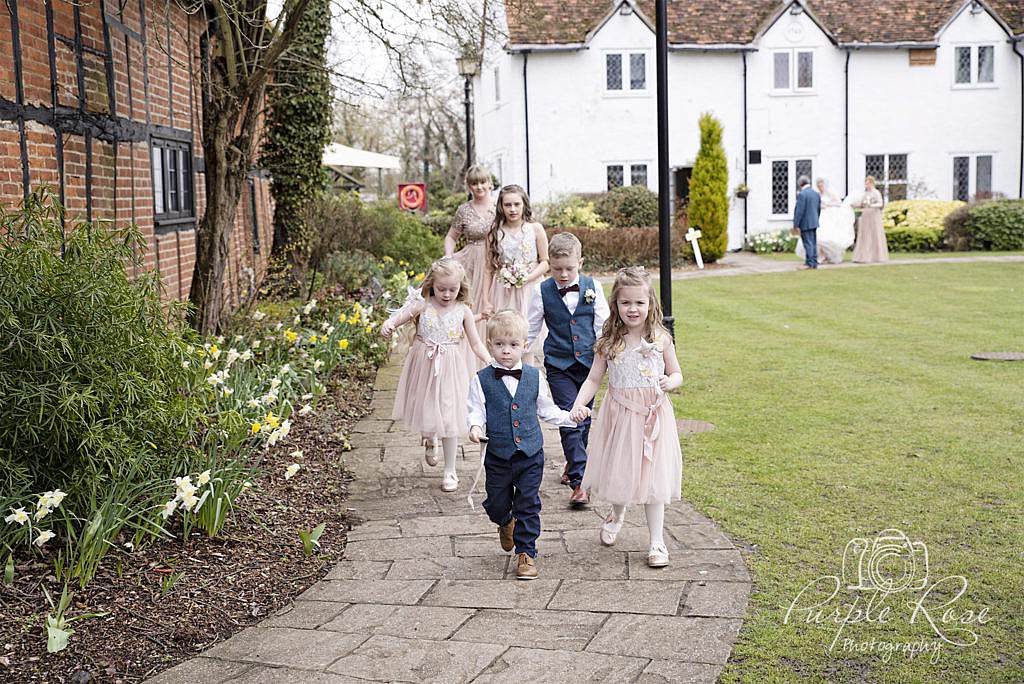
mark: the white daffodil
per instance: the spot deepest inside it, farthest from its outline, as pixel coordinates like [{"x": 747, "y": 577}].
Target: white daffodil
[
  {"x": 258, "y": 315},
  {"x": 44, "y": 536},
  {"x": 286, "y": 368},
  {"x": 42, "y": 513},
  {"x": 290, "y": 471},
  {"x": 220, "y": 339},
  {"x": 184, "y": 485},
  {"x": 318, "y": 364},
  {"x": 185, "y": 364},
  {"x": 233, "y": 356},
  {"x": 275, "y": 383},
  {"x": 297, "y": 320},
  {"x": 254, "y": 403},
  {"x": 203, "y": 478},
  {"x": 246, "y": 486},
  {"x": 214, "y": 379},
  {"x": 129, "y": 546},
  {"x": 18, "y": 515},
  {"x": 297, "y": 454},
  {"x": 305, "y": 410},
  {"x": 238, "y": 338},
  {"x": 168, "y": 510},
  {"x": 227, "y": 391},
  {"x": 207, "y": 364},
  {"x": 330, "y": 329},
  {"x": 309, "y": 307},
  {"x": 56, "y": 498},
  {"x": 43, "y": 501},
  {"x": 270, "y": 397},
  {"x": 278, "y": 326},
  {"x": 246, "y": 355},
  {"x": 256, "y": 344},
  {"x": 280, "y": 433},
  {"x": 188, "y": 500}
]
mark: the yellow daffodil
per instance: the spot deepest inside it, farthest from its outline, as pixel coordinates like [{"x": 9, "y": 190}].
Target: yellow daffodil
[
  {"x": 18, "y": 515},
  {"x": 388, "y": 260},
  {"x": 271, "y": 420},
  {"x": 255, "y": 428},
  {"x": 419, "y": 276},
  {"x": 369, "y": 329},
  {"x": 343, "y": 344},
  {"x": 291, "y": 335}
]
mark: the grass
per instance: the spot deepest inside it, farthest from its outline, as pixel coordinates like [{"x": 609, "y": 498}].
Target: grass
[
  {"x": 790, "y": 256},
  {"x": 847, "y": 404}
]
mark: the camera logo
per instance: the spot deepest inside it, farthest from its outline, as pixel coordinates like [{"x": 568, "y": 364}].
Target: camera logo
[{"x": 890, "y": 562}]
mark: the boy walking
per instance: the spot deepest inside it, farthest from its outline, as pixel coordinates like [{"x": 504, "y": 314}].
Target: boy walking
[
  {"x": 509, "y": 398},
  {"x": 574, "y": 308}
]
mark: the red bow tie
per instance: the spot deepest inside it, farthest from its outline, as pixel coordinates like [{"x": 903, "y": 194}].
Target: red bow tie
[
  {"x": 499, "y": 373},
  {"x": 572, "y": 288}
]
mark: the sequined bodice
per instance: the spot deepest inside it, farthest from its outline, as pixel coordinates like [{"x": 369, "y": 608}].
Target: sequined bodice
[
  {"x": 441, "y": 328},
  {"x": 471, "y": 225},
  {"x": 519, "y": 248},
  {"x": 639, "y": 367}
]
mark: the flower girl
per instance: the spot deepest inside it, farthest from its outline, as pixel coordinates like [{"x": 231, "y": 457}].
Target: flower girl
[
  {"x": 434, "y": 385},
  {"x": 634, "y": 447}
]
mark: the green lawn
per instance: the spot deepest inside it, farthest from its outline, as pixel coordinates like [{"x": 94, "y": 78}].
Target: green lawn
[
  {"x": 790, "y": 256},
  {"x": 847, "y": 404}
]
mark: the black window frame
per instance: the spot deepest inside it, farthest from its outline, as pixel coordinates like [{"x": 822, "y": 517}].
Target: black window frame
[{"x": 182, "y": 192}]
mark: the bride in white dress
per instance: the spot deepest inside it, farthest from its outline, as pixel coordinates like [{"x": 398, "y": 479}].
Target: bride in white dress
[{"x": 835, "y": 229}]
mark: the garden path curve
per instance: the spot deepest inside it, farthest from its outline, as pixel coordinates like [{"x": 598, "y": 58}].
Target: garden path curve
[{"x": 426, "y": 594}]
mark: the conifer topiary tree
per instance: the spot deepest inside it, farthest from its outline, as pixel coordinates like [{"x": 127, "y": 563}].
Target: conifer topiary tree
[{"x": 709, "y": 188}]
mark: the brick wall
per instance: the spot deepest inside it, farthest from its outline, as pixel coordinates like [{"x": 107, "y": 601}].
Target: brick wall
[{"x": 85, "y": 89}]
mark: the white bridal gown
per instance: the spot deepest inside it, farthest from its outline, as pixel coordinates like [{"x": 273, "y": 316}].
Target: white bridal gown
[{"x": 835, "y": 229}]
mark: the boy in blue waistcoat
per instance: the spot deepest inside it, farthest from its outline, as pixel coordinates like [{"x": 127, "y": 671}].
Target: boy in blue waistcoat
[
  {"x": 574, "y": 308},
  {"x": 508, "y": 397}
]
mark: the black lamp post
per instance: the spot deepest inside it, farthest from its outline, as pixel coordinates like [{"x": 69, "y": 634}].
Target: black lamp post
[
  {"x": 468, "y": 68},
  {"x": 664, "y": 205}
]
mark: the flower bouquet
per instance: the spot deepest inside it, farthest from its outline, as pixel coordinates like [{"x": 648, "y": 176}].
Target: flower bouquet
[{"x": 512, "y": 275}]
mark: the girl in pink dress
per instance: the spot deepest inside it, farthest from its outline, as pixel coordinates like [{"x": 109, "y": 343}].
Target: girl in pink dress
[
  {"x": 517, "y": 257},
  {"x": 634, "y": 446},
  {"x": 434, "y": 386}
]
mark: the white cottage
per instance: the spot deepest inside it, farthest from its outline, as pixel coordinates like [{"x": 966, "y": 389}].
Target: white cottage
[{"x": 926, "y": 95}]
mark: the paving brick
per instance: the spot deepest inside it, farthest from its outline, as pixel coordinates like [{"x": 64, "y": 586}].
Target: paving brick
[
  {"x": 414, "y": 622},
  {"x": 544, "y": 665},
  {"x": 390, "y": 659},
  {"x": 619, "y": 596},
  {"x": 562, "y": 629}
]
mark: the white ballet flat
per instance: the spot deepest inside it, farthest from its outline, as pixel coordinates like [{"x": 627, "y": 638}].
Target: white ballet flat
[
  {"x": 450, "y": 482},
  {"x": 609, "y": 531},
  {"x": 430, "y": 451},
  {"x": 657, "y": 556}
]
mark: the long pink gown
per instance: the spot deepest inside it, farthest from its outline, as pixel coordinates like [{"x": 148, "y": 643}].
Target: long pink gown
[
  {"x": 519, "y": 248},
  {"x": 469, "y": 224}
]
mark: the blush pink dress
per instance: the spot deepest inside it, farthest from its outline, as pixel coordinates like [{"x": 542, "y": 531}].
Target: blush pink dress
[
  {"x": 519, "y": 248},
  {"x": 469, "y": 224},
  {"x": 634, "y": 445},
  {"x": 433, "y": 388}
]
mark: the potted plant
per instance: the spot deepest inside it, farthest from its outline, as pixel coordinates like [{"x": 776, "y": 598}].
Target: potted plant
[{"x": 742, "y": 190}]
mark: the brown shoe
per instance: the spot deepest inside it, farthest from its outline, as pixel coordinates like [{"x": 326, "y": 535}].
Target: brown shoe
[
  {"x": 526, "y": 567},
  {"x": 505, "y": 535},
  {"x": 565, "y": 475},
  {"x": 579, "y": 498}
]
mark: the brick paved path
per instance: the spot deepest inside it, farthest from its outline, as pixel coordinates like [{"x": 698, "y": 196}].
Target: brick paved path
[{"x": 426, "y": 594}]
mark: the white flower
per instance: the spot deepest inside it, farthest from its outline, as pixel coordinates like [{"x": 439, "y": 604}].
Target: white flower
[
  {"x": 247, "y": 354},
  {"x": 290, "y": 471},
  {"x": 188, "y": 500},
  {"x": 258, "y": 315},
  {"x": 318, "y": 364},
  {"x": 184, "y": 485},
  {"x": 307, "y": 396},
  {"x": 305, "y": 410},
  {"x": 168, "y": 510},
  {"x": 589, "y": 296},
  {"x": 256, "y": 344},
  {"x": 269, "y": 398},
  {"x": 329, "y": 329},
  {"x": 246, "y": 486},
  {"x": 233, "y": 356},
  {"x": 207, "y": 364},
  {"x": 309, "y": 307},
  {"x": 56, "y": 497},
  {"x": 297, "y": 454},
  {"x": 227, "y": 391},
  {"x": 129, "y": 546},
  {"x": 280, "y": 433},
  {"x": 42, "y": 513},
  {"x": 215, "y": 353},
  {"x": 220, "y": 339},
  {"x": 286, "y": 368},
  {"x": 44, "y": 536},
  {"x": 254, "y": 403},
  {"x": 18, "y": 515},
  {"x": 275, "y": 383},
  {"x": 278, "y": 326},
  {"x": 214, "y": 379},
  {"x": 185, "y": 364},
  {"x": 43, "y": 501},
  {"x": 297, "y": 320},
  {"x": 238, "y": 338},
  {"x": 203, "y": 478}
]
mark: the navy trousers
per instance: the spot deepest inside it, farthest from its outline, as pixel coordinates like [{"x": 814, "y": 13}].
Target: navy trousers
[
  {"x": 810, "y": 240},
  {"x": 513, "y": 490},
  {"x": 565, "y": 386}
]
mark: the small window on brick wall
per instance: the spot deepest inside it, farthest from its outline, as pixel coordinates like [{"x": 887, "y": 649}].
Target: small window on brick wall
[{"x": 173, "y": 200}]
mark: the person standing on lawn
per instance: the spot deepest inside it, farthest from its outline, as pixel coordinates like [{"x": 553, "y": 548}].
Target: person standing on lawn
[
  {"x": 805, "y": 219},
  {"x": 574, "y": 309}
]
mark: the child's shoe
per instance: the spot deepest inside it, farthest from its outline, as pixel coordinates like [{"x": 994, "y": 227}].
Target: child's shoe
[
  {"x": 505, "y": 535},
  {"x": 430, "y": 449},
  {"x": 450, "y": 482},
  {"x": 610, "y": 530},
  {"x": 579, "y": 498},
  {"x": 657, "y": 556},
  {"x": 565, "y": 475},
  {"x": 526, "y": 567}
]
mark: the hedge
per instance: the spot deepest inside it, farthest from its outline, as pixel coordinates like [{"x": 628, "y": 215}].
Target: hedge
[{"x": 612, "y": 248}]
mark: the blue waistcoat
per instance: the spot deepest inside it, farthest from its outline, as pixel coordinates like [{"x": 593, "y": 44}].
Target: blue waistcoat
[
  {"x": 570, "y": 335},
  {"x": 512, "y": 423}
]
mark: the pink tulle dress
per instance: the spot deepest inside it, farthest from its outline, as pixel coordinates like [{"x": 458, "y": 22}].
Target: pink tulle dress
[
  {"x": 469, "y": 224},
  {"x": 518, "y": 248},
  {"x": 434, "y": 386},
  {"x": 634, "y": 445}
]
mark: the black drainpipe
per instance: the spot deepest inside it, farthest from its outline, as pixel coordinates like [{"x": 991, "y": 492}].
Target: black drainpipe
[
  {"x": 526, "y": 120},
  {"x": 1016, "y": 44},
  {"x": 846, "y": 125},
  {"x": 746, "y": 155}
]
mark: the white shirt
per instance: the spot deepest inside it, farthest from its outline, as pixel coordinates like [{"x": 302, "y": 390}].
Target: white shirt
[
  {"x": 547, "y": 410},
  {"x": 535, "y": 311}
]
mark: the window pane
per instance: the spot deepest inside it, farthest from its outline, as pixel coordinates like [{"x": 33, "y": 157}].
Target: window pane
[
  {"x": 961, "y": 169},
  {"x": 874, "y": 165},
  {"x": 805, "y": 70},
  {"x": 497, "y": 85},
  {"x": 780, "y": 187},
  {"x": 173, "y": 181},
  {"x": 983, "y": 176},
  {"x": 158, "y": 179},
  {"x": 637, "y": 72},
  {"x": 638, "y": 174},
  {"x": 802, "y": 168},
  {"x": 615, "y": 176},
  {"x": 962, "y": 64},
  {"x": 781, "y": 81},
  {"x": 896, "y": 191},
  {"x": 613, "y": 72},
  {"x": 986, "y": 66},
  {"x": 897, "y": 167},
  {"x": 185, "y": 165}
]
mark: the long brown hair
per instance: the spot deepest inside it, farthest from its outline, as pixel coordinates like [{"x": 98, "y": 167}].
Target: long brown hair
[
  {"x": 497, "y": 231},
  {"x": 613, "y": 334}
]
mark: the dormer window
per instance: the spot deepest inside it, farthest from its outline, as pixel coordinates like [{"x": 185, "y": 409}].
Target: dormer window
[
  {"x": 625, "y": 72},
  {"x": 792, "y": 71},
  {"x": 974, "y": 65}
]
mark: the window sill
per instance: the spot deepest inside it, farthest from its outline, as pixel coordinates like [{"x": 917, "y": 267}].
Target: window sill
[
  {"x": 627, "y": 94},
  {"x": 974, "y": 86},
  {"x": 792, "y": 93},
  {"x": 165, "y": 225}
]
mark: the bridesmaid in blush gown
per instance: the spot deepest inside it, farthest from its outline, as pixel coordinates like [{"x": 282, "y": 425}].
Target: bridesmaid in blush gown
[{"x": 871, "y": 246}]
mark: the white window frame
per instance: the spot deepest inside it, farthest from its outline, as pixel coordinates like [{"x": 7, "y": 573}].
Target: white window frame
[
  {"x": 627, "y": 171},
  {"x": 974, "y": 83},
  {"x": 972, "y": 172},
  {"x": 497, "y": 85},
  {"x": 627, "y": 73},
  {"x": 883, "y": 184},
  {"x": 791, "y": 179},
  {"x": 794, "y": 71}
]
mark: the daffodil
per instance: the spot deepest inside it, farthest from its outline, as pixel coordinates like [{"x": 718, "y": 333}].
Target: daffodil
[
  {"x": 285, "y": 369},
  {"x": 246, "y": 486},
  {"x": 168, "y": 510},
  {"x": 18, "y": 515},
  {"x": 388, "y": 260},
  {"x": 238, "y": 338},
  {"x": 290, "y": 471},
  {"x": 207, "y": 364},
  {"x": 278, "y": 326},
  {"x": 309, "y": 307},
  {"x": 256, "y": 345},
  {"x": 220, "y": 339},
  {"x": 185, "y": 364},
  {"x": 291, "y": 335},
  {"x": 305, "y": 410},
  {"x": 258, "y": 315},
  {"x": 318, "y": 364},
  {"x": 215, "y": 351},
  {"x": 271, "y": 420},
  {"x": 280, "y": 433},
  {"x": 44, "y": 536},
  {"x": 184, "y": 485},
  {"x": 297, "y": 454},
  {"x": 297, "y": 320},
  {"x": 227, "y": 391},
  {"x": 343, "y": 344},
  {"x": 56, "y": 498},
  {"x": 275, "y": 383},
  {"x": 188, "y": 500},
  {"x": 233, "y": 356},
  {"x": 330, "y": 329},
  {"x": 42, "y": 513},
  {"x": 369, "y": 329},
  {"x": 247, "y": 354},
  {"x": 203, "y": 478},
  {"x": 254, "y": 402},
  {"x": 307, "y": 396},
  {"x": 43, "y": 501},
  {"x": 255, "y": 428}
]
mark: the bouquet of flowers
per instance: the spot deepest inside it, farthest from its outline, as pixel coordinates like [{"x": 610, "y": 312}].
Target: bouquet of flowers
[{"x": 513, "y": 275}]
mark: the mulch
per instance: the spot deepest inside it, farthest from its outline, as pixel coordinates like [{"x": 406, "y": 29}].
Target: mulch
[{"x": 225, "y": 584}]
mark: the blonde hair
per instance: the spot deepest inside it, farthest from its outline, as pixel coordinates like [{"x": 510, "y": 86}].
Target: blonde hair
[
  {"x": 497, "y": 231},
  {"x": 445, "y": 267},
  {"x": 870, "y": 179},
  {"x": 477, "y": 174},
  {"x": 565, "y": 245},
  {"x": 507, "y": 323},
  {"x": 612, "y": 339}
]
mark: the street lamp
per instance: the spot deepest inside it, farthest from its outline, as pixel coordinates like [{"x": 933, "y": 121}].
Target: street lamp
[
  {"x": 664, "y": 211},
  {"x": 469, "y": 66}
]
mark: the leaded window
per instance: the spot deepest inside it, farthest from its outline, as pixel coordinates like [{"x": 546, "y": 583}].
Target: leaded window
[
  {"x": 172, "y": 180},
  {"x": 781, "y": 74},
  {"x": 613, "y": 71},
  {"x": 983, "y": 175},
  {"x": 638, "y": 71},
  {"x": 962, "y": 65},
  {"x": 802, "y": 167},
  {"x": 638, "y": 174},
  {"x": 874, "y": 165},
  {"x": 890, "y": 174},
  {"x": 615, "y": 176},
  {"x": 961, "y": 178},
  {"x": 986, "y": 66},
  {"x": 805, "y": 70},
  {"x": 780, "y": 187}
]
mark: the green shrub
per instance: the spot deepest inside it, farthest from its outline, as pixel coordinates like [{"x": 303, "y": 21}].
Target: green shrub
[
  {"x": 571, "y": 211},
  {"x": 709, "y": 191},
  {"x": 997, "y": 225},
  {"x": 606, "y": 250},
  {"x": 905, "y": 239},
  {"x": 629, "y": 206},
  {"x": 351, "y": 270},
  {"x": 917, "y": 214},
  {"x": 405, "y": 237},
  {"x": 955, "y": 233},
  {"x": 771, "y": 241}
]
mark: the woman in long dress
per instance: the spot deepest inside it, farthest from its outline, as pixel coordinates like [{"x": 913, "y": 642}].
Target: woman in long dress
[
  {"x": 871, "y": 246},
  {"x": 835, "y": 229},
  {"x": 472, "y": 220}
]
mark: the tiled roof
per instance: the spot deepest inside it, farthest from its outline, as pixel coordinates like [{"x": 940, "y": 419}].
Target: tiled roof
[{"x": 555, "y": 22}]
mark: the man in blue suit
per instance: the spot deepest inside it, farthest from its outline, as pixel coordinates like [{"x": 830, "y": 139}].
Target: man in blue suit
[{"x": 805, "y": 218}]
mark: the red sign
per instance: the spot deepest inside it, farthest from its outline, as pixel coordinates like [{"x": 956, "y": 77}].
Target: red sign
[{"x": 412, "y": 196}]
